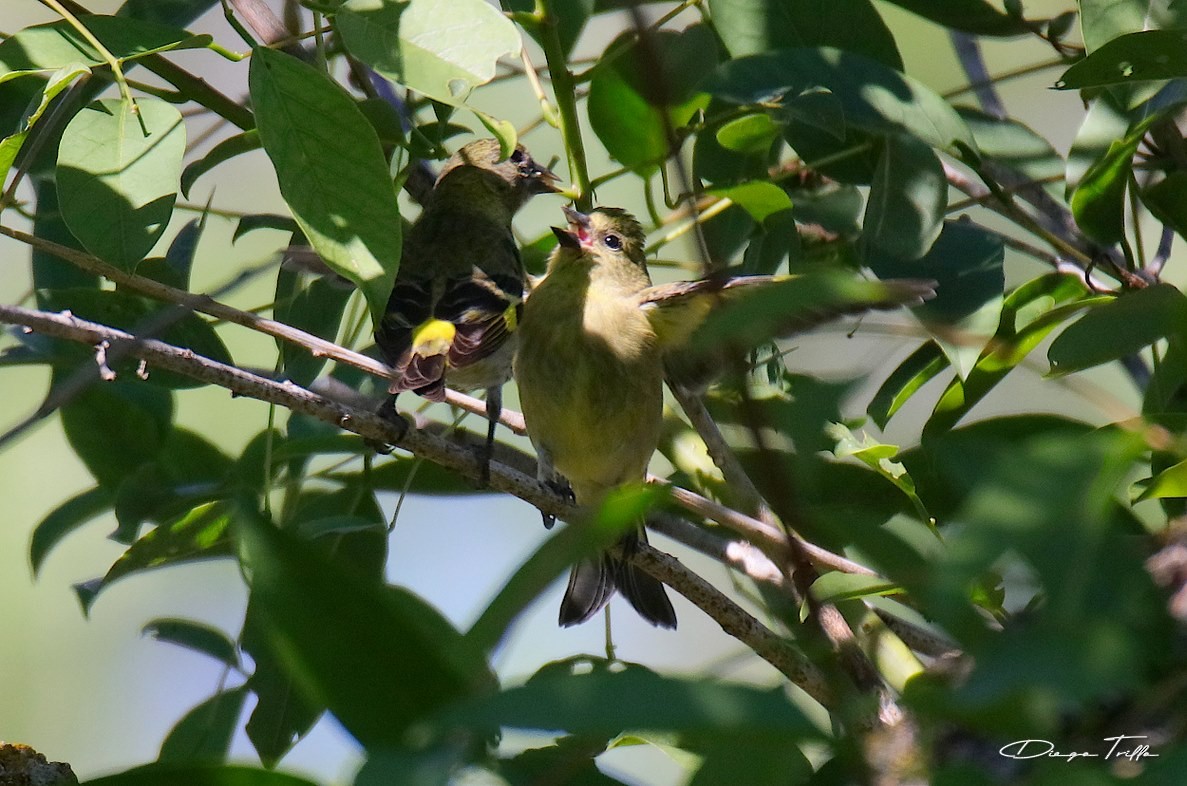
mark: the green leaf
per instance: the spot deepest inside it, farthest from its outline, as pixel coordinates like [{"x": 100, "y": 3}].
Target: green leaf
[
  {"x": 1098, "y": 202},
  {"x": 607, "y": 702},
  {"x": 1028, "y": 316},
  {"x": 749, "y": 27},
  {"x": 413, "y": 475},
  {"x": 200, "y": 534},
  {"x": 413, "y": 44},
  {"x": 314, "y": 305},
  {"x": 331, "y": 656},
  {"x": 331, "y": 171},
  {"x": 638, "y": 99},
  {"x": 761, "y": 199},
  {"x": 118, "y": 173},
  {"x": 189, "y": 774},
  {"x": 1167, "y": 200},
  {"x": 570, "y": 17},
  {"x": 58, "y": 44},
  {"x": 878, "y": 457},
  {"x": 1171, "y": 482},
  {"x": 966, "y": 262},
  {"x": 64, "y": 77},
  {"x": 1135, "y": 57},
  {"x": 905, "y": 212},
  {"x": 572, "y": 755},
  {"x": 194, "y": 636},
  {"x": 835, "y": 586},
  {"x": 1104, "y": 20},
  {"x": 970, "y": 16},
  {"x": 205, "y": 733},
  {"x": 922, "y": 366},
  {"x": 873, "y": 97},
  {"x": 751, "y": 134},
  {"x": 114, "y": 427},
  {"x": 1013, "y": 144},
  {"x": 63, "y": 520},
  {"x": 224, "y": 151},
  {"x": 1120, "y": 327}
]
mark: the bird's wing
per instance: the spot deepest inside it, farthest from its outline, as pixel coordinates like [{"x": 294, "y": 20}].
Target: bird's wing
[{"x": 745, "y": 311}]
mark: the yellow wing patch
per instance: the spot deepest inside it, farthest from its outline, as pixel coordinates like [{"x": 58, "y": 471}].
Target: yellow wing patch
[{"x": 433, "y": 337}]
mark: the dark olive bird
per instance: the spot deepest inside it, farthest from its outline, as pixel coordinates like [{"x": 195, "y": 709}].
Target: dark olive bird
[
  {"x": 594, "y": 345},
  {"x": 454, "y": 308}
]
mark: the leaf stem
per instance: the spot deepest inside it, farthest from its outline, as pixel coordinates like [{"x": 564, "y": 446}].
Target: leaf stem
[
  {"x": 117, "y": 72},
  {"x": 564, "y": 90}
]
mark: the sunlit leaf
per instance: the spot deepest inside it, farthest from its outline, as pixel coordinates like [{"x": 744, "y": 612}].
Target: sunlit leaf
[
  {"x": 1121, "y": 327},
  {"x": 118, "y": 172},
  {"x": 331, "y": 170},
  {"x": 414, "y": 44}
]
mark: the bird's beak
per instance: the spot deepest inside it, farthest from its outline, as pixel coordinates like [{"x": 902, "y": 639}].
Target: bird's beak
[
  {"x": 544, "y": 180},
  {"x": 566, "y": 239}
]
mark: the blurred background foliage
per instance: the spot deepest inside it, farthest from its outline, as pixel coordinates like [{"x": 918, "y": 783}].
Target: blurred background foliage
[{"x": 986, "y": 494}]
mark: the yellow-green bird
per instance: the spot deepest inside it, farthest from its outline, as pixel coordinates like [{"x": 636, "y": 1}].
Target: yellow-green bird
[
  {"x": 455, "y": 305},
  {"x": 594, "y": 342},
  {"x": 590, "y": 373}
]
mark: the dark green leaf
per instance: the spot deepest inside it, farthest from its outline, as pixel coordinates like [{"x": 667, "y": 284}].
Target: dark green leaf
[
  {"x": 1028, "y": 316},
  {"x": 409, "y": 474},
  {"x": 50, "y": 272},
  {"x": 753, "y": 762},
  {"x": 264, "y": 221},
  {"x": 570, "y": 761},
  {"x": 222, "y": 152},
  {"x": 966, "y": 262},
  {"x": 315, "y": 307},
  {"x": 905, "y": 211},
  {"x": 63, "y": 520},
  {"x": 114, "y": 427},
  {"x": 441, "y": 55},
  {"x": 200, "y": 534},
  {"x": 970, "y": 16},
  {"x": 194, "y": 636},
  {"x": 330, "y": 655},
  {"x": 205, "y": 733},
  {"x": 1009, "y": 142},
  {"x": 331, "y": 171},
  {"x": 198, "y": 775},
  {"x": 874, "y": 98},
  {"x": 639, "y": 98},
  {"x": 118, "y": 173},
  {"x": 1121, "y": 327},
  {"x": 606, "y": 702},
  {"x": 1098, "y": 202},
  {"x": 752, "y": 26},
  {"x": 1135, "y": 57},
  {"x": 1167, "y": 200},
  {"x": 922, "y": 366}
]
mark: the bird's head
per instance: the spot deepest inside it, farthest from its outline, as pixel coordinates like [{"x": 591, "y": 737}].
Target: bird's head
[
  {"x": 517, "y": 177},
  {"x": 606, "y": 233}
]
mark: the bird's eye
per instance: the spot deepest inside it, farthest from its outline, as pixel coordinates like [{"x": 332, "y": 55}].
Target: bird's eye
[
  {"x": 517, "y": 157},
  {"x": 613, "y": 242}
]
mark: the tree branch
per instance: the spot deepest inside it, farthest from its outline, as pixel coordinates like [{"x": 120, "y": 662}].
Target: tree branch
[{"x": 733, "y": 619}]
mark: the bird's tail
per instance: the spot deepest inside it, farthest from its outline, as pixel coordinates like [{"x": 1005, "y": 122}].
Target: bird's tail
[
  {"x": 422, "y": 367},
  {"x": 593, "y": 581}
]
